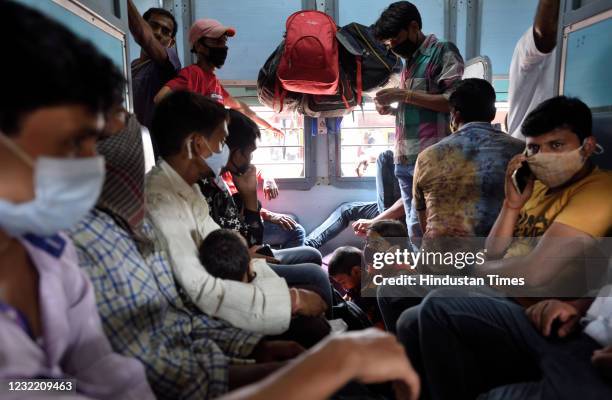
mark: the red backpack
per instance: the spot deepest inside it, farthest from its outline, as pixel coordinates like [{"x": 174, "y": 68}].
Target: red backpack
[{"x": 309, "y": 63}]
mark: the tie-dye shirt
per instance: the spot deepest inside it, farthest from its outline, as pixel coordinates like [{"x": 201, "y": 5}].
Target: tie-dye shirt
[
  {"x": 434, "y": 68},
  {"x": 460, "y": 180}
]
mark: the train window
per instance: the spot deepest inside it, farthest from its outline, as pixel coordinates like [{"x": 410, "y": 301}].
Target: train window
[
  {"x": 281, "y": 157},
  {"x": 364, "y": 135}
]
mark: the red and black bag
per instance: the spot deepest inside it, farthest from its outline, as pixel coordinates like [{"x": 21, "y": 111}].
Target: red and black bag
[
  {"x": 334, "y": 105},
  {"x": 268, "y": 85},
  {"x": 309, "y": 63},
  {"x": 366, "y": 61}
]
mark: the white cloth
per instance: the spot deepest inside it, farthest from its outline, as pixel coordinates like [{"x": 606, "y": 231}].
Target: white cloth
[
  {"x": 600, "y": 317},
  {"x": 181, "y": 215},
  {"x": 532, "y": 75}
]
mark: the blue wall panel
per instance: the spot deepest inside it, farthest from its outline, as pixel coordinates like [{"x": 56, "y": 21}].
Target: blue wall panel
[
  {"x": 260, "y": 26},
  {"x": 503, "y": 23}
]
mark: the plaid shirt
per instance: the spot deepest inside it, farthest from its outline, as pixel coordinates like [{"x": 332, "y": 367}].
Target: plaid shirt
[
  {"x": 186, "y": 353},
  {"x": 435, "y": 68}
]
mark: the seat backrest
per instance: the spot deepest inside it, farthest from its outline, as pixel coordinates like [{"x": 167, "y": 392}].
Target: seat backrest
[{"x": 478, "y": 67}]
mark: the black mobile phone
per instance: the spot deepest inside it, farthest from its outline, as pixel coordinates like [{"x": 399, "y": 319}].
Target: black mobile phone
[
  {"x": 521, "y": 176},
  {"x": 265, "y": 250}
]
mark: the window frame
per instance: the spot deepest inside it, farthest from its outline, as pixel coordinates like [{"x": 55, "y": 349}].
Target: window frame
[
  {"x": 334, "y": 145},
  {"x": 245, "y": 91}
]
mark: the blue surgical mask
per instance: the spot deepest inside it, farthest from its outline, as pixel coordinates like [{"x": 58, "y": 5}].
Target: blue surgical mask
[
  {"x": 65, "y": 189},
  {"x": 216, "y": 161}
]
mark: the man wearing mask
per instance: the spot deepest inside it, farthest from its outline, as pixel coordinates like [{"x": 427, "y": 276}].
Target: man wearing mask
[
  {"x": 565, "y": 204},
  {"x": 190, "y": 131},
  {"x": 208, "y": 39},
  {"x": 155, "y": 33},
  {"x": 431, "y": 69},
  {"x": 50, "y": 178}
]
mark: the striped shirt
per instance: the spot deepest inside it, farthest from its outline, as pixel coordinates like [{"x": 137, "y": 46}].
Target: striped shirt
[{"x": 434, "y": 68}]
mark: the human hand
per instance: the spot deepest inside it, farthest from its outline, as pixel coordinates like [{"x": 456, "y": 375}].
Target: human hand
[
  {"x": 386, "y": 97},
  {"x": 270, "y": 189},
  {"x": 361, "y": 226},
  {"x": 254, "y": 254},
  {"x": 361, "y": 168},
  {"x": 543, "y": 314},
  {"x": 514, "y": 199},
  {"x": 246, "y": 183},
  {"x": 277, "y": 132},
  {"x": 377, "y": 356},
  {"x": 285, "y": 221}
]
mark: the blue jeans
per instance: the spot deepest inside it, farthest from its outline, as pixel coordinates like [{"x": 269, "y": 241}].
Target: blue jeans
[
  {"x": 387, "y": 193},
  {"x": 298, "y": 255},
  {"x": 466, "y": 346},
  {"x": 405, "y": 177},
  {"x": 276, "y": 236},
  {"x": 339, "y": 219},
  {"x": 307, "y": 276}
]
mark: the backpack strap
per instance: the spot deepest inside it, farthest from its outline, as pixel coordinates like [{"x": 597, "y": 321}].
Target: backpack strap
[
  {"x": 278, "y": 94},
  {"x": 359, "y": 80}
]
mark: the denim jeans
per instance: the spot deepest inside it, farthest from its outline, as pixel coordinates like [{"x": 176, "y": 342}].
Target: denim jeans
[
  {"x": 307, "y": 276},
  {"x": 466, "y": 346},
  {"x": 339, "y": 219},
  {"x": 276, "y": 236},
  {"x": 387, "y": 193},
  {"x": 405, "y": 177}
]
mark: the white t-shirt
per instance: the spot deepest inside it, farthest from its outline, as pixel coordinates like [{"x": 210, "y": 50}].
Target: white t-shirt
[
  {"x": 532, "y": 75},
  {"x": 599, "y": 317}
]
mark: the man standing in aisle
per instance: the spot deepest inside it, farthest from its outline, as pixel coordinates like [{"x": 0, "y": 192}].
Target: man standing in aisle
[{"x": 431, "y": 70}]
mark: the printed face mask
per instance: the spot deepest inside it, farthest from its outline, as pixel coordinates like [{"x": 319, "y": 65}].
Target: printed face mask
[
  {"x": 65, "y": 189},
  {"x": 555, "y": 169}
]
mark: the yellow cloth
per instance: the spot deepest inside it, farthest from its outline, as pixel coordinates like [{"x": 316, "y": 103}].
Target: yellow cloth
[{"x": 585, "y": 205}]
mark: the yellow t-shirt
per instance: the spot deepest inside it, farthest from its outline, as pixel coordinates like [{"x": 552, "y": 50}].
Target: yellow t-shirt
[{"x": 586, "y": 206}]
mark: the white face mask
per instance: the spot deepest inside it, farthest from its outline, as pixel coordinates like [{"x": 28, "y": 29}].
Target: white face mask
[
  {"x": 65, "y": 189},
  {"x": 555, "y": 169},
  {"x": 215, "y": 161}
]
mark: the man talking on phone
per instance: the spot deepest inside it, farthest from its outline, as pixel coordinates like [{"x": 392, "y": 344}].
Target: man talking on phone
[{"x": 564, "y": 206}]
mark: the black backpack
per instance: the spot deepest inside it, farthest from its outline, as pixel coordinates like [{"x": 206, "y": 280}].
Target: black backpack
[
  {"x": 355, "y": 317},
  {"x": 269, "y": 91},
  {"x": 367, "y": 62}
]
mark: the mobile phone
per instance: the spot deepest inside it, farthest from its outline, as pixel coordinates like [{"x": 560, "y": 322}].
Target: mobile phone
[
  {"x": 265, "y": 250},
  {"x": 521, "y": 176}
]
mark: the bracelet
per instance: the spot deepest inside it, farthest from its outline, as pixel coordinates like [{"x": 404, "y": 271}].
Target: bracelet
[{"x": 408, "y": 97}]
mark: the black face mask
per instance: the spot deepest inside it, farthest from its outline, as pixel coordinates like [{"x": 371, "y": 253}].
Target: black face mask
[
  {"x": 217, "y": 55},
  {"x": 405, "y": 49},
  {"x": 242, "y": 170}
]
